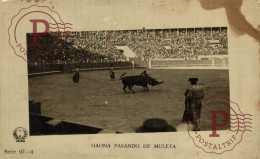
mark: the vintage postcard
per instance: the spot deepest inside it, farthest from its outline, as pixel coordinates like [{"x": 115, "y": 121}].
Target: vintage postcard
[{"x": 130, "y": 79}]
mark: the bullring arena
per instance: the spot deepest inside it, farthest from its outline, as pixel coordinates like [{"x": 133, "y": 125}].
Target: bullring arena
[{"x": 99, "y": 105}]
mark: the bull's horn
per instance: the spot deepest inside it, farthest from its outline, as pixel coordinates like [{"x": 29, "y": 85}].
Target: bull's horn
[{"x": 159, "y": 82}]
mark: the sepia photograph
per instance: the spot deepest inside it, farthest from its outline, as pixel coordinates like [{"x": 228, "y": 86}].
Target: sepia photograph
[{"x": 126, "y": 81}]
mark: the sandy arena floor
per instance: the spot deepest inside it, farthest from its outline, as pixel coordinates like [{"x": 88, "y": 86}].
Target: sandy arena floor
[{"x": 97, "y": 101}]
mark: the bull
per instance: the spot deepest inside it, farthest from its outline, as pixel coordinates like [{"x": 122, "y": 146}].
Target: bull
[{"x": 138, "y": 80}]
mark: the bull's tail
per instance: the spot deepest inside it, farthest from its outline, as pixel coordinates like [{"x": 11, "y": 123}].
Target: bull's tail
[{"x": 122, "y": 76}]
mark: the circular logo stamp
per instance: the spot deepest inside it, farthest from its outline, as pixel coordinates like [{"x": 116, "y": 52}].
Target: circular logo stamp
[
  {"x": 37, "y": 34},
  {"x": 228, "y": 124},
  {"x": 20, "y": 134}
]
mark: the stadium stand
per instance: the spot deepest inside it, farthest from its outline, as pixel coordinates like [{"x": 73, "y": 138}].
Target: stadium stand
[{"x": 147, "y": 44}]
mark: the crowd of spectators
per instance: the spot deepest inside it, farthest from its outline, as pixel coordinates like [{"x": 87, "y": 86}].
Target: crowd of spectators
[{"x": 147, "y": 43}]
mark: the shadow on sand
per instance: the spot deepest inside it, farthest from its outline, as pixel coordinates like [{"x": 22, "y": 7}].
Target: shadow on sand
[{"x": 155, "y": 125}]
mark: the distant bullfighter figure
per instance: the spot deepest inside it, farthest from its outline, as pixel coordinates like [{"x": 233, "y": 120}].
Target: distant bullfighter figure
[
  {"x": 112, "y": 73},
  {"x": 138, "y": 80},
  {"x": 76, "y": 75}
]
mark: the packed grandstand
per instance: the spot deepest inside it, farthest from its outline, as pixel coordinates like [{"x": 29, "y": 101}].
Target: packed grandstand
[{"x": 86, "y": 46}]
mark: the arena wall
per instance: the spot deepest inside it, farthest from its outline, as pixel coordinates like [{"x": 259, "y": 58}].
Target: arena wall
[
  {"x": 67, "y": 68},
  {"x": 212, "y": 63}
]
